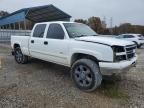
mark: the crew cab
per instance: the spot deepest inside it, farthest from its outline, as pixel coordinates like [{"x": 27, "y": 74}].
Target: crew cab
[
  {"x": 138, "y": 39},
  {"x": 77, "y": 46}
]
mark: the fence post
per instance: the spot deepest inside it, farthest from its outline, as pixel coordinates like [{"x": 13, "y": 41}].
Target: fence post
[
  {"x": 14, "y": 26},
  {"x": 25, "y": 24},
  {"x": 10, "y": 26},
  {"x": 19, "y": 25}
]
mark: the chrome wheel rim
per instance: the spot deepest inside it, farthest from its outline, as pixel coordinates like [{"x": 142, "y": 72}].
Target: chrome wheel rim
[
  {"x": 83, "y": 76},
  {"x": 19, "y": 56}
]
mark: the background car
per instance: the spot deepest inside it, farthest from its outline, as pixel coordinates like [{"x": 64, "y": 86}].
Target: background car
[{"x": 138, "y": 39}]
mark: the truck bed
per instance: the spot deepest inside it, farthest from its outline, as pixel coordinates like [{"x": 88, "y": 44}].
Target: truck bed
[{"x": 23, "y": 41}]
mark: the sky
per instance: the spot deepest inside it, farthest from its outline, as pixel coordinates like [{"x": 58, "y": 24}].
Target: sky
[{"x": 121, "y": 11}]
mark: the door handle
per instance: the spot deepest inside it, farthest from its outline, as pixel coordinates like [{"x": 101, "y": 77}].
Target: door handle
[
  {"x": 32, "y": 41},
  {"x": 45, "y": 43}
]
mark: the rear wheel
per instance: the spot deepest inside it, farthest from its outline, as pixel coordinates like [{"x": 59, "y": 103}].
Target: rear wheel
[
  {"x": 19, "y": 57},
  {"x": 86, "y": 74}
]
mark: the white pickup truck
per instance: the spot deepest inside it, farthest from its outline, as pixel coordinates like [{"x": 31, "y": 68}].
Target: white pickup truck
[{"x": 75, "y": 45}]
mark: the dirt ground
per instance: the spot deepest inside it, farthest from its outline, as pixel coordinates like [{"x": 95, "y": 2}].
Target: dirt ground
[{"x": 40, "y": 84}]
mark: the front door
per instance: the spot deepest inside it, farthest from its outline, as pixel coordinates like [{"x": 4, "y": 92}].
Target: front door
[
  {"x": 56, "y": 46},
  {"x": 36, "y": 41}
]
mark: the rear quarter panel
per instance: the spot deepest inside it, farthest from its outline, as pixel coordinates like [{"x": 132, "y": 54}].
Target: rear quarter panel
[{"x": 23, "y": 41}]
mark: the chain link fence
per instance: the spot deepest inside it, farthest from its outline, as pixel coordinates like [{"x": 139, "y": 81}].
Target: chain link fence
[{"x": 5, "y": 35}]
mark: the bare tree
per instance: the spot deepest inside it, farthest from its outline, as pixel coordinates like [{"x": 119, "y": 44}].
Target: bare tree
[{"x": 3, "y": 13}]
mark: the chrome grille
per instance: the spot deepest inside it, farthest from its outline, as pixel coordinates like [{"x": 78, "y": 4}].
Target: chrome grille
[{"x": 130, "y": 51}]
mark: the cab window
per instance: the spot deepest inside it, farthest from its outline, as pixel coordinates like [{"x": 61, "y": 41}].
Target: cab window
[
  {"x": 55, "y": 31},
  {"x": 39, "y": 31}
]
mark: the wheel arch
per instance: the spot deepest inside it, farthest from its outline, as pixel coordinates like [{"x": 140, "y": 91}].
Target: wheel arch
[
  {"x": 16, "y": 45},
  {"x": 77, "y": 56},
  {"x": 137, "y": 44}
]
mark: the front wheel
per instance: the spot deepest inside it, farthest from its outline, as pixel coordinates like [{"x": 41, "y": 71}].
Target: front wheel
[
  {"x": 19, "y": 57},
  {"x": 86, "y": 75}
]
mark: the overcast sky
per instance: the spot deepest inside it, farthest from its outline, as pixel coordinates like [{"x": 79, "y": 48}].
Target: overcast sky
[{"x": 120, "y": 10}]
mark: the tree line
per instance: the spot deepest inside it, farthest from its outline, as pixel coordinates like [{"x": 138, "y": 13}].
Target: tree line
[
  {"x": 3, "y": 13},
  {"x": 100, "y": 27}
]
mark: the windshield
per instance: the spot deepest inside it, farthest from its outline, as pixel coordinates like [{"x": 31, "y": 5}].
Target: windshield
[{"x": 79, "y": 30}]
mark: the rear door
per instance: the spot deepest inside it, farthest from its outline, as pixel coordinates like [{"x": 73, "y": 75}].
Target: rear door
[
  {"x": 36, "y": 41},
  {"x": 56, "y": 45}
]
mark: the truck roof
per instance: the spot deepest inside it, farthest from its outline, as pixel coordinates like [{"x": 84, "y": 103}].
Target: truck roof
[
  {"x": 130, "y": 34},
  {"x": 56, "y": 22}
]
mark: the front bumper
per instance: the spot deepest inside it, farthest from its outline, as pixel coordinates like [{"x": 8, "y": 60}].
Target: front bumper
[{"x": 116, "y": 68}]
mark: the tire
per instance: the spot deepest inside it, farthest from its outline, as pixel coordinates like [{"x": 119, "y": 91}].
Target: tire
[
  {"x": 19, "y": 57},
  {"x": 86, "y": 75}
]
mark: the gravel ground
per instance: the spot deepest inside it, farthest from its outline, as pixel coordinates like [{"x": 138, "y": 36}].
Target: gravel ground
[{"x": 40, "y": 84}]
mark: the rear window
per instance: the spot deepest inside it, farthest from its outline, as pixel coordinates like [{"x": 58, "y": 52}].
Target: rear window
[{"x": 39, "y": 31}]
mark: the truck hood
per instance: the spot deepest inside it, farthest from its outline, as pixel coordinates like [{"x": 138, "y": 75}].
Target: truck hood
[{"x": 105, "y": 40}]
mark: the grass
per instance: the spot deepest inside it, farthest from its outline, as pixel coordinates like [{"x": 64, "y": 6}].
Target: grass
[
  {"x": 0, "y": 63},
  {"x": 111, "y": 89}
]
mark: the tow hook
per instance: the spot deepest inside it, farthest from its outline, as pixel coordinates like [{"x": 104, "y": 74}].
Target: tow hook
[{"x": 134, "y": 64}]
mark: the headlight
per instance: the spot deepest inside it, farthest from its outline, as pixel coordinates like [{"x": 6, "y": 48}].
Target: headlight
[
  {"x": 118, "y": 53},
  {"x": 118, "y": 49},
  {"x": 119, "y": 58}
]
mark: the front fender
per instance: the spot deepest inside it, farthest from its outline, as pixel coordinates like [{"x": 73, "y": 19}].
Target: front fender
[{"x": 95, "y": 54}]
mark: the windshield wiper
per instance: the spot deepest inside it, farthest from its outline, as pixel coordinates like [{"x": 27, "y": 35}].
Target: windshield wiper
[
  {"x": 93, "y": 35},
  {"x": 84, "y": 36},
  {"x": 81, "y": 35}
]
